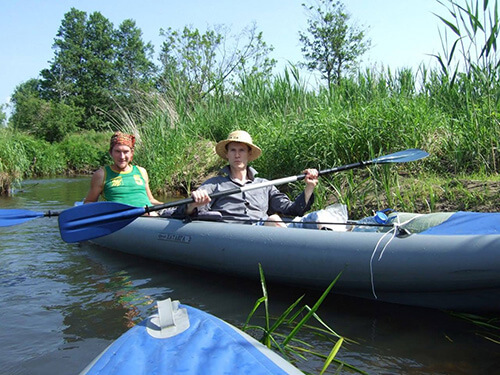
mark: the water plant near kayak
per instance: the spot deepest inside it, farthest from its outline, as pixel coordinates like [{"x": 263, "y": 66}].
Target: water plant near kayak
[
  {"x": 488, "y": 327},
  {"x": 297, "y": 318}
]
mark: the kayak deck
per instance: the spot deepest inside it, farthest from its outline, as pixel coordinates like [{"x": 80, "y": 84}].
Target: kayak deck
[{"x": 207, "y": 346}]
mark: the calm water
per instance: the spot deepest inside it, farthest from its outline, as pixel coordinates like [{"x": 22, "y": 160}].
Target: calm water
[{"x": 61, "y": 304}]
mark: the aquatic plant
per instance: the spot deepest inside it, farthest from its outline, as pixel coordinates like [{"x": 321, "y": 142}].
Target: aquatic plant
[
  {"x": 488, "y": 327},
  {"x": 296, "y": 318}
]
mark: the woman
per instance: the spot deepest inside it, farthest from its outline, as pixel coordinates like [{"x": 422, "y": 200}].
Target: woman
[{"x": 121, "y": 182}]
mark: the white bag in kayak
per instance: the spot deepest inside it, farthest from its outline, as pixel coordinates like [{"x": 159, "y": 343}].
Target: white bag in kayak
[{"x": 333, "y": 217}]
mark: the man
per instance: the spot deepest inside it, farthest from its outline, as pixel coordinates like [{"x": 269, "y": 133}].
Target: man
[
  {"x": 121, "y": 182},
  {"x": 259, "y": 206}
]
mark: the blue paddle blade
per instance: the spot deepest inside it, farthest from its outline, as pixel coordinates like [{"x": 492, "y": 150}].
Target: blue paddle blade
[
  {"x": 404, "y": 156},
  {"x": 88, "y": 221},
  {"x": 10, "y": 217}
]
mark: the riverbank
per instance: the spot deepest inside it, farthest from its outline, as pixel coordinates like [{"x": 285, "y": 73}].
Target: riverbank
[
  {"x": 410, "y": 187},
  {"x": 364, "y": 117}
]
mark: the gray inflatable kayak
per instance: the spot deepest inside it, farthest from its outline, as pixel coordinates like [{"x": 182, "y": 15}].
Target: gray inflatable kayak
[{"x": 452, "y": 262}]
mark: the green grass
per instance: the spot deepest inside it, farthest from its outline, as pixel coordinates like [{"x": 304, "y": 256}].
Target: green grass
[
  {"x": 297, "y": 127},
  {"x": 24, "y": 156},
  {"x": 362, "y": 118}
]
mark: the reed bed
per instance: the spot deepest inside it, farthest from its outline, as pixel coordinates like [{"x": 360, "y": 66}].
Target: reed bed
[
  {"x": 363, "y": 117},
  {"x": 23, "y": 156}
]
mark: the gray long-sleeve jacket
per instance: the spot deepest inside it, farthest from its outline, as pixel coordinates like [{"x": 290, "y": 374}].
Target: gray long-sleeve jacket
[{"x": 250, "y": 205}]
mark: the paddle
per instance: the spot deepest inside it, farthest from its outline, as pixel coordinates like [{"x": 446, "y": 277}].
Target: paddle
[
  {"x": 10, "y": 217},
  {"x": 93, "y": 220}
]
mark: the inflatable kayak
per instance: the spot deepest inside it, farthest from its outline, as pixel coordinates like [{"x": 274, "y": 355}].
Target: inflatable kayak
[
  {"x": 184, "y": 340},
  {"x": 444, "y": 261}
]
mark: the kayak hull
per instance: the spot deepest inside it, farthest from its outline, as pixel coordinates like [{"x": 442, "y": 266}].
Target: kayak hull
[{"x": 459, "y": 272}]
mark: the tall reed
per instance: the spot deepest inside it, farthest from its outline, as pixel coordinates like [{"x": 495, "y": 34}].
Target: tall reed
[
  {"x": 452, "y": 116},
  {"x": 24, "y": 156},
  {"x": 297, "y": 127}
]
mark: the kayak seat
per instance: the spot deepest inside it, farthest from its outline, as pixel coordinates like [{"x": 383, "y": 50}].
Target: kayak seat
[{"x": 204, "y": 216}]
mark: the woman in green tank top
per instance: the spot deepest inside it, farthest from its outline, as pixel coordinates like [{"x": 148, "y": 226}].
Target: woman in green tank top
[{"x": 121, "y": 182}]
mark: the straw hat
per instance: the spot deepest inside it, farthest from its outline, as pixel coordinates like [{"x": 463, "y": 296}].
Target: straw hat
[{"x": 238, "y": 136}]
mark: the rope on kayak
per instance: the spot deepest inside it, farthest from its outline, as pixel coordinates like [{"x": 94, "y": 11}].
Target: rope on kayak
[
  {"x": 347, "y": 223},
  {"x": 397, "y": 227}
]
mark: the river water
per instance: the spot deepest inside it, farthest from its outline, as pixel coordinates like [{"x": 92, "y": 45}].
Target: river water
[{"x": 62, "y": 304}]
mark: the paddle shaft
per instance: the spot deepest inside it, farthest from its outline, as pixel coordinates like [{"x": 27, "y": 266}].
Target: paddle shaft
[
  {"x": 93, "y": 220},
  {"x": 397, "y": 157},
  {"x": 260, "y": 185}
]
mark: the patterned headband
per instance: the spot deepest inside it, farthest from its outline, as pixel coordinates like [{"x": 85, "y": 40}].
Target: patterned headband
[{"x": 120, "y": 138}]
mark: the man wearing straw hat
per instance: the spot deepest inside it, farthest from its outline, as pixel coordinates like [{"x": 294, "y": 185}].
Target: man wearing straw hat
[{"x": 259, "y": 206}]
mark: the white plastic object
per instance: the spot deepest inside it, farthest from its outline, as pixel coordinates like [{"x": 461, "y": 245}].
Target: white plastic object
[{"x": 170, "y": 320}]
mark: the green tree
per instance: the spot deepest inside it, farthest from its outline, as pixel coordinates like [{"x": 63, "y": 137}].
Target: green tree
[
  {"x": 94, "y": 67},
  {"x": 202, "y": 62},
  {"x": 99, "y": 77},
  {"x": 23, "y": 103},
  {"x": 3, "y": 115},
  {"x": 331, "y": 45},
  {"x": 62, "y": 79},
  {"x": 134, "y": 64},
  {"x": 82, "y": 72},
  {"x": 55, "y": 120},
  {"x": 47, "y": 119}
]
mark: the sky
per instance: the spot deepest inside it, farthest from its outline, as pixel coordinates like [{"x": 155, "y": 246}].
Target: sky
[{"x": 403, "y": 32}]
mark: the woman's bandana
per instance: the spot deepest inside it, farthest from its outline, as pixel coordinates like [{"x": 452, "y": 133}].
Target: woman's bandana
[{"x": 120, "y": 138}]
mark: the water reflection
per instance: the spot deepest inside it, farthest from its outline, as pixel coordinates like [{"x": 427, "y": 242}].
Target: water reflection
[{"x": 100, "y": 303}]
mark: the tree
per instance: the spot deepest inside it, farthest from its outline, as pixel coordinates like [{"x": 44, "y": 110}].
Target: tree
[
  {"x": 331, "y": 45},
  {"x": 94, "y": 67},
  {"x": 47, "y": 119},
  {"x": 22, "y": 100},
  {"x": 3, "y": 115},
  {"x": 133, "y": 58},
  {"x": 99, "y": 77},
  {"x": 81, "y": 73},
  {"x": 93, "y": 63},
  {"x": 202, "y": 62},
  {"x": 61, "y": 79}
]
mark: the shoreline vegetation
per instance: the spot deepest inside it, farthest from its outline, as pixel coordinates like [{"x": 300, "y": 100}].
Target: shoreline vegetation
[
  {"x": 359, "y": 119},
  {"x": 179, "y": 110}
]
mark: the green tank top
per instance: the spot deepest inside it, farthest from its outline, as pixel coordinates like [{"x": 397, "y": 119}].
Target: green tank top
[{"x": 125, "y": 187}]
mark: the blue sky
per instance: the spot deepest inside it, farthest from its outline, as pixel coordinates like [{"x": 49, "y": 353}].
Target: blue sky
[{"x": 403, "y": 32}]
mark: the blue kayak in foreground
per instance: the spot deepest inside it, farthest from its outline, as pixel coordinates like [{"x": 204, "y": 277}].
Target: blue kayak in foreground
[{"x": 184, "y": 340}]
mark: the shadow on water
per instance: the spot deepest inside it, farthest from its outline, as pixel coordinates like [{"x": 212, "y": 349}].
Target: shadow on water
[{"x": 63, "y": 304}]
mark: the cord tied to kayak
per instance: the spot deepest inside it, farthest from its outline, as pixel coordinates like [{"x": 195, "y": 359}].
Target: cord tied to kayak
[{"x": 396, "y": 230}]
